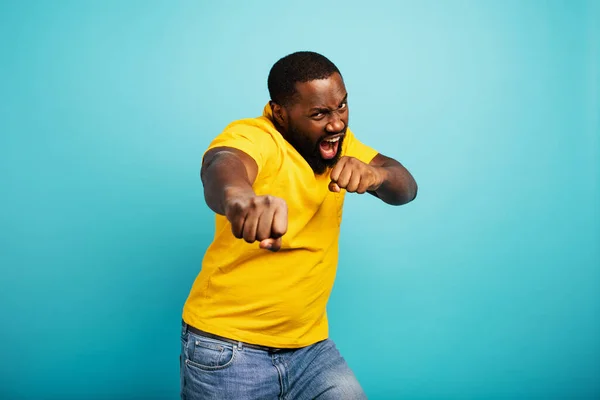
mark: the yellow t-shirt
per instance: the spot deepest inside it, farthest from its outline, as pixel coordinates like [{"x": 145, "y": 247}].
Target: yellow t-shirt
[{"x": 274, "y": 299}]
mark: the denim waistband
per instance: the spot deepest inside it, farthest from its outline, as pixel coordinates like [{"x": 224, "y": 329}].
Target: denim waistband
[{"x": 200, "y": 332}]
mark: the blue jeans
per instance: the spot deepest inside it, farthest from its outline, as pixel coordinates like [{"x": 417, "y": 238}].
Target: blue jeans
[{"x": 215, "y": 369}]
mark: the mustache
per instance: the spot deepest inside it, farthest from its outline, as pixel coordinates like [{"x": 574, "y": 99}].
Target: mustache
[{"x": 343, "y": 131}]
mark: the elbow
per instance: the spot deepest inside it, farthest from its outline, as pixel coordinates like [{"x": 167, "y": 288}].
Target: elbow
[
  {"x": 415, "y": 189},
  {"x": 405, "y": 196}
]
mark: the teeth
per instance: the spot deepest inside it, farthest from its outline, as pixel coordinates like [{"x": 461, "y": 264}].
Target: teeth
[{"x": 332, "y": 140}]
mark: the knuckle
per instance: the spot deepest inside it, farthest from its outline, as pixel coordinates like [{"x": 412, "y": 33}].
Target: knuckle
[
  {"x": 235, "y": 208},
  {"x": 276, "y": 202}
]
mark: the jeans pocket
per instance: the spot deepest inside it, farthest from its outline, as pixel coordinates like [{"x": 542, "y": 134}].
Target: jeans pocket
[{"x": 209, "y": 354}]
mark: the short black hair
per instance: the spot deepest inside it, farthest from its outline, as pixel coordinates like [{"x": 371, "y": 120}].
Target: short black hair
[{"x": 301, "y": 66}]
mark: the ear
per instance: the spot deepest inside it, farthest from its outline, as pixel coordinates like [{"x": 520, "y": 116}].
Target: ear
[{"x": 279, "y": 114}]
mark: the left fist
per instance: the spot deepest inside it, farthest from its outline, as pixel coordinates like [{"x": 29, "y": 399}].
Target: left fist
[{"x": 355, "y": 176}]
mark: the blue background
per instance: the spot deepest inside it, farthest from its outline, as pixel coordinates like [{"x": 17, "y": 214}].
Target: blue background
[{"x": 487, "y": 286}]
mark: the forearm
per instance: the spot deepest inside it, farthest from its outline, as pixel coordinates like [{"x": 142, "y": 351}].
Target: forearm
[
  {"x": 398, "y": 186},
  {"x": 224, "y": 177}
]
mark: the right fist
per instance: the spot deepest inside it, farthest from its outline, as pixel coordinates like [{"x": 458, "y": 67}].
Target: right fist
[{"x": 258, "y": 218}]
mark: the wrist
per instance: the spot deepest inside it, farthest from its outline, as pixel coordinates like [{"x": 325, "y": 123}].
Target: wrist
[
  {"x": 381, "y": 176},
  {"x": 235, "y": 194}
]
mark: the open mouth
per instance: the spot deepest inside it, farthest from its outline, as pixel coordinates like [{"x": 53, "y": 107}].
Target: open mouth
[{"x": 329, "y": 146}]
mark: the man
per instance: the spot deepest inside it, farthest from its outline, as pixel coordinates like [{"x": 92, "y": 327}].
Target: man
[{"x": 254, "y": 324}]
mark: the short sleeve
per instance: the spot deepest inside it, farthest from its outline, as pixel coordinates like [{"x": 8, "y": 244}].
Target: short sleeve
[
  {"x": 250, "y": 139},
  {"x": 355, "y": 148}
]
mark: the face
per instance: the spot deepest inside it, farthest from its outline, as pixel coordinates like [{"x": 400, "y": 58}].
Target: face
[{"x": 315, "y": 123}]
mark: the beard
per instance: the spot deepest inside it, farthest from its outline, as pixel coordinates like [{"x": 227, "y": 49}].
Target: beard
[{"x": 311, "y": 151}]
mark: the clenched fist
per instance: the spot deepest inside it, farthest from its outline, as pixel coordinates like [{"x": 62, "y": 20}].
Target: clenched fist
[
  {"x": 355, "y": 176},
  {"x": 258, "y": 218}
]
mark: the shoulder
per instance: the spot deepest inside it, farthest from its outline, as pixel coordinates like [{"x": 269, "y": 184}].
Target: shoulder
[
  {"x": 258, "y": 130},
  {"x": 257, "y": 137}
]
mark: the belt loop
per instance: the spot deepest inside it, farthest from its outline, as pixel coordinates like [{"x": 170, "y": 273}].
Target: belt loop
[
  {"x": 184, "y": 327},
  {"x": 240, "y": 346}
]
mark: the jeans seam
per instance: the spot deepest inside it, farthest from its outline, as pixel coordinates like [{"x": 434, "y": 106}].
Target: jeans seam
[{"x": 209, "y": 368}]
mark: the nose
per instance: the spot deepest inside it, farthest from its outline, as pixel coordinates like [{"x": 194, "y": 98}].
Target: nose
[{"x": 335, "y": 124}]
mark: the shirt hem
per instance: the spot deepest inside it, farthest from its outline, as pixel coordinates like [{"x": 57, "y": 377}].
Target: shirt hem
[{"x": 253, "y": 338}]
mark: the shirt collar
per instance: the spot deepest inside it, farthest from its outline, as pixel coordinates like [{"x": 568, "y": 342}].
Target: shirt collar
[{"x": 268, "y": 112}]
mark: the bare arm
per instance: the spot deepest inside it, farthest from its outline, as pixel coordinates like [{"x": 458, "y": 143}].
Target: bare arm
[
  {"x": 228, "y": 175},
  {"x": 383, "y": 177},
  {"x": 398, "y": 185}
]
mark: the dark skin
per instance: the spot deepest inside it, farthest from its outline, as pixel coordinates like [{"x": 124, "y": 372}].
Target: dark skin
[{"x": 319, "y": 109}]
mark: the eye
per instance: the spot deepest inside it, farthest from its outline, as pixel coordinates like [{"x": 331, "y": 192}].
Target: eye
[{"x": 343, "y": 105}]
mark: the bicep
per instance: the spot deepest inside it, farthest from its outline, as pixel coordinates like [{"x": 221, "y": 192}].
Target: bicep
[
  {"x": 381, "y": 161},
  {"x": 248, "y": 162}
]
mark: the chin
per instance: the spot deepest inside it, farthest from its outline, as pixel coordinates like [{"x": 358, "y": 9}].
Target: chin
[{"x": 320, "y": 165}]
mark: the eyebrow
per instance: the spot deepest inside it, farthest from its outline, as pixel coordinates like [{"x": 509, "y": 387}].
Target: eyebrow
[{"x": 323, "y": 108}]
